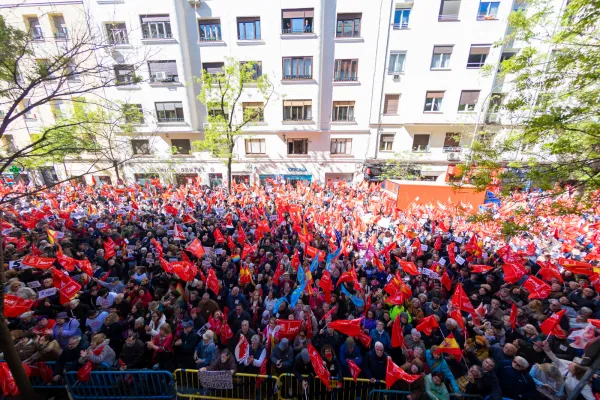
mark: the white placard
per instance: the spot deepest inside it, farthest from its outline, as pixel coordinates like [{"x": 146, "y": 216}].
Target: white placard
[
  {"x": 170, "y": 232},
  {"x": 460, "y": 260},
  {"x": 100, "y": 225},
  {"x": 150, "y": 260},
  {"x": 17, "y": 266},
  {"x": 34, "y": 284},
  {"x": 173, "y": 259},
  {"x": 206, "y": 263},
  {"x": 218, "y": 251},
  {"x": 458, "y": 239},
  {"x": 442, "y": 261},
  {"x": 361, "y": 262},
  {"x": 208, "y": 250},
  {"x": 431, "y": 274},
  {"x": 7, "y": 231},
  {"x": 46, "y": 293},
  {"x": 424, "y": 247},
  {"x": 272, "y": 217},
  {"x": 121, "y": 212}
]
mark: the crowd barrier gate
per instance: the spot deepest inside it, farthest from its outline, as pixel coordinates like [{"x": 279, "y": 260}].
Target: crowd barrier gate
[
  {"x": 291, "y": 388},
  {"x": 245, "y": 387},
  {"x": 111, "y": 385}
]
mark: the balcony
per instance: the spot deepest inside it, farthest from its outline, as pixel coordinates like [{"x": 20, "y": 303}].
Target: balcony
[
  {"x": 421, "y": 149},
  {"x": 37, "y": 34},
  {"x": 297, "y": 31},
  {"x": 61, "y": 35},
  {"x": 339, "y": 78},
  {"x": 168, "y": 79},
  {"x": 401, "y": 25},
  {"x": 296, "y": 77},
  {"x": 486, "y": 17},
  {"x": 165, "y": 120},
  {"x": 447, "y": 17},
  {"x": 452, "y": 149},
  {"x": 159, "y": 36}
]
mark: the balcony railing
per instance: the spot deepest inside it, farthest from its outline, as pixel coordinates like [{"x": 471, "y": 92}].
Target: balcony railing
[
  {"x": 448, "y": 17},
  {"x": 118, "y": 40},
  {"x": 401, "y": 25},
  {"x": 168, "y": 79},
  {"x": 486, "y": 17},
  {"x": 211, "y": 39},
  {"x": 157, "y": 36},
  {"x": 292, "y": 31},
  {"x": 450, "y": 149},
  {"x": 61, "y": 35},
  {"x": 37, "y": 34},
  {"x": 421, "y": 149},
  {"x": 338, "y": 78},
  {"x": 173, "y": 119},
  {"x": 478, "y": 64},
  {"x": 343, "y": 119},
  {"x": 296, "y": 77},
  {"x": 289, "y": 119}
]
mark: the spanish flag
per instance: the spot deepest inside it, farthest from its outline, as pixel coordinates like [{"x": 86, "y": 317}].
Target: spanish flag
[
  {"x": 245, "y": 276},
  {"x": 450, "y": 346},
  {"x": 51, "y": 236}
]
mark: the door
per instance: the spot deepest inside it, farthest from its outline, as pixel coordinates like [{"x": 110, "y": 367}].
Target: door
[{"x": 215, "y": 180}]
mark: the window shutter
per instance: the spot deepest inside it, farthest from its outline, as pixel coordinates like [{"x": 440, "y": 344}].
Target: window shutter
[
  {"x": 170, "y": 67},
  {"x": 347, "y": 16},
  {"x": 442, "y": 49},
  {"x": 435, "y": 95},
  {"x": 391, "y": 104},
  {"x": 155, "y": 18},
  {"x": 248, "y": 19},
  {"x": 480, "y": 49},
  {"x": 469, "y": 96}
]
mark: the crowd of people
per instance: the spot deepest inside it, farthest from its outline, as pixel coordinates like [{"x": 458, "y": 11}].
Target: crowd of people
[{"x": 182, "y": 277}]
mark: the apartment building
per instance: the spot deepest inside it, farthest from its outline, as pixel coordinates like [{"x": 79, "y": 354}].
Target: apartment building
[{"x": 356, "y": 83}]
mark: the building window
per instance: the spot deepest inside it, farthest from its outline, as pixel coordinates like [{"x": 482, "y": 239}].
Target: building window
[
  {"x": 488, "y": 10},
  {"x": 449, "y": 10},
  {"x": 468, "y": 100},
  {"x": 433, "y": 101},
  {"x": 343, "y": 111},
  {"x": 254, "y": 111},
  {"x": 156, "y": 27},
  {"x": 386, "y": 142},
  {"x": 256, "y": 67},
  {"x": 35, "y": 28},
  {"x": 140, "y": 147},
  {"x": 117, "y": 33},
  {"x": 478, "y": 55},
  {"x": 401, "y": 17},
  {"x": 420, "y": 143},
  {"x": 297, "y": 110},
  {"x": 256, "y": 146},
  {"x": 215, "y": 111},
  {"x": 8, "y": 144},
  {"x": 169, "y": 111},
  {"x": 210, "y": 30},
  {"x": 297, "y": 146},
  {"x": 133, "y": 113},
  {"x": 441, "y": 57},
  {"x": 58, "y": 108},
  {"x": 213, "y": 68},
  {"x": 181, "y": 146},
  {"x": 390, "y": 104},
  {"x": 163, "y": 71},
  {"x": 452, "y": 142},
  {"x": 345, "y": 70},
  {"x": 60, "y": 27},
  {"x": 297, "y": 21},
  {"x": 341, "y": 146},
  {"x": 297, "y": 68},
  {"x": 348, "y": 25},
  {"x": 248, "y": 28},
  {"x": 397, "y": 62},
  {"x": 124, "y": 74},
  {"x": 25, "y": 104},
  {"x": 43, "y": 64}
]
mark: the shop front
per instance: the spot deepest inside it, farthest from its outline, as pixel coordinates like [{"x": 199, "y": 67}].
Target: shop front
[
  {"x": 184, "y": 179},
  {"x": 339, "y": 177},
  {"x": 292, "y": 179},
  {"x": 142, "y": 178}
]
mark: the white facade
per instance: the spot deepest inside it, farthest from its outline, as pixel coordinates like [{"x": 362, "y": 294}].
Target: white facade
[{"x": 371, "y": 111}]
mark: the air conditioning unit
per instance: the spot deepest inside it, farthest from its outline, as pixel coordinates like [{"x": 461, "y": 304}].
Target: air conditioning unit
[
  {"x": 453, "y": 156},
  {"x": 397, "y": 78}
]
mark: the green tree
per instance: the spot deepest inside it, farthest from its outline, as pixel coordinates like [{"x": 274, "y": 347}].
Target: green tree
[
  {"x": 222, "y": 93},
  {"x": 555, "y": 102}
]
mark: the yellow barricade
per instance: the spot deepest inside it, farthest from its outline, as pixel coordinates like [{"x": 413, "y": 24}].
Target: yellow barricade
[
  {"x": 291, "y": 389},
  {"x": 245, "y": 387}
]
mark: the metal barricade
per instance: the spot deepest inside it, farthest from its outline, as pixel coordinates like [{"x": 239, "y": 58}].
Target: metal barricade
[
  {"x": 245, "y": 387},
  {"x": 347, "y": 390},
  {"x": 114, "y": 385},
  {"x": 383, "y": 394}
]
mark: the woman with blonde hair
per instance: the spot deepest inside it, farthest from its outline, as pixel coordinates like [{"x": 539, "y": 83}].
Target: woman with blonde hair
[
  {"x": 548, "y": 380},
  {"x": 98, "y": 352}
]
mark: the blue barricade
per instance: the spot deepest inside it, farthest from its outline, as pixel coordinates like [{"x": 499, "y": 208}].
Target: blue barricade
[{"x": 134, "y": 384}]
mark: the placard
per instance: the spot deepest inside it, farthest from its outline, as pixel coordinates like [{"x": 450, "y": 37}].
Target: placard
[
  {"x": 17, "y": 266},
  {"x": 206, "y": 263},
  {"x": 34, "y": 284},
  {"x": 460, "y": 260},
  {"x": 429, "y": 273},
  {"x": 458, "y": 239},
  {"x": 218, "y": 251},
  {"x": 216, "y": 379},
  {"x": 100, "y": 225},
  {"x": 150, "y": 260},
  {"x": 173, "y": 260},
  {"x": 424, "y": 247},
  {"x": 170, "y": 232},
  {"x": 46, "y": 293},
  {"x": 272, "y": 217},
  {"x": 442, "y": 261}
]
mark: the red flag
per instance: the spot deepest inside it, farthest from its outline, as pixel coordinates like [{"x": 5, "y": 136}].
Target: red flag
[
  {"x": 14, "y": 306},
  {"x": 513, "y": 272},
  {"x": 109, "y": 249},
  {"x": 397, "y": 336},
  {"x": 354, "y": 369},
  {"x": 288, "y": 328},
  {"x": 248, "y": 250},
  {"x": 218, "y": 236},
  {"x": 177, "y": 233},
  {"x": 549, "y": 272},
  {"x": 196, "y": 248},
  {"x": 438, "y": 243},
  {"x": 537, "y": 288},
  {"x": 551, "y": 325},
  {"x": 394, "y": 372},
  {"x": 212, "y": 282},
  {"x": 446, "y": 281},
  {"x": 461, "y": 301},
  {"x": 349, "y": 276},
  {"x": 347, "y": 327},
  {"x": 186, "y": 271},
  {"x": 427, "y": 325},
  {"x": 242, "y": 349},
  {"x": 480, "y": 268},
  {"x": 171, "y": 210},
  {"x": 295, "y": 260},
  {"x": 331, "y": 311},
  {"x": 38, "y": 262},
  {"x": 326, "y": 284},
  {"x": 85, "y": 266},
  {"x": 241, "y": 236},
  {"x": 158, "y": 247},
  {"x": 318, "y": 365},
  {"x": 166, "y": 265},
  {"x": 188, "y": 219},
  {"x": 513, "y": 315},
  {"x": 408, "y": 266},
  {"x": 67, "y": 286},
  {"x": 457, "y": 316},
  {"x": 576, "y": 267},
  {"x": 22, "y": 243},
  {"x": 68, "y": 263}
]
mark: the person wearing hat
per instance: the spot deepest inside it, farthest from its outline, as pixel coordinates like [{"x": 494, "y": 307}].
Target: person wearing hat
[
  {"x": 65, "y": 328},
  {"x": 433, "y": 308},
  {"x": 206, "y": 351},
  {"x": 303, "y": 370},
  {"x": 282, "y": 357},
  {"x": 185, "y": 345},
  {"x": 349, "y": 351}
]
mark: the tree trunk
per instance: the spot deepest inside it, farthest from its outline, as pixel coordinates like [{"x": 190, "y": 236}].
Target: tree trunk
[
  {"x": 116, "y": 166},
  {"x": 10, "y": 352},
  {"x": 229, "y": 162}
]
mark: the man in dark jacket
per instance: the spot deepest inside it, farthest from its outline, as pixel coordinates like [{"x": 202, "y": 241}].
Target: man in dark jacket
[
  {"x": 515, "y": 382},
  {"x": 133, "y": 354},
  {"x": 244, "y": 330},
  {"x": 185, "y": 346},
  {"x": 68, "y": 359},
  {"x": 235, "y": 319},
  {"x": 375, "y": 363}
]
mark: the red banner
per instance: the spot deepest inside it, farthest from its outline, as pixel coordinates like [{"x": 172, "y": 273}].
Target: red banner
[{"x": 38, "y": 262}]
